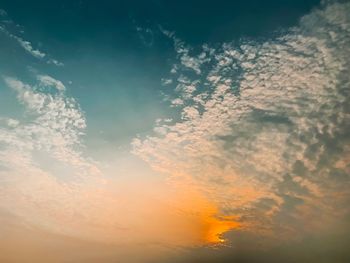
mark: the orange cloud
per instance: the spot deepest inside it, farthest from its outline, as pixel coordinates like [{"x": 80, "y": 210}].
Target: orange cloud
[{"x": 207, "y": 226}]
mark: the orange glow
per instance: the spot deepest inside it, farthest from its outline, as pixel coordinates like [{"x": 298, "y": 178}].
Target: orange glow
[
  {"x": 207, "y": 226},
  {"x": 215, "y": 228}
]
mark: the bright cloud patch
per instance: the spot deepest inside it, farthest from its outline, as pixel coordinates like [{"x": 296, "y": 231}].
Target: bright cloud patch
[
  {"x": 49, "y": 81},
  {"x": 39, "y": 156}
]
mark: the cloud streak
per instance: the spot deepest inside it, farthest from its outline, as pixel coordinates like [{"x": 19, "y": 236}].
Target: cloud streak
[{"x": 25, "y": 44}]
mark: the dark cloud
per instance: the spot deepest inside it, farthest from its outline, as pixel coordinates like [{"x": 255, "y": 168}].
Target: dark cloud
[{"x": 328, "y": 245}]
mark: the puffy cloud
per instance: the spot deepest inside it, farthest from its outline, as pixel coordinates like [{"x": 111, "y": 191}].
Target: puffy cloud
[
  {"x": 12, "y": 122},
  {"x": 264, "y": 133}
]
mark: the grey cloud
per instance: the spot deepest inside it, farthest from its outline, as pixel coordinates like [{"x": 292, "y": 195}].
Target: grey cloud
[
  {"x": 3, "y": 13},
  {"x": 146, "y": 35}
]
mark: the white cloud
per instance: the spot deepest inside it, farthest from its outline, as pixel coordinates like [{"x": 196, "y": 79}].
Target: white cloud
[
  {"x": 28, "y": 46},
  {"x": 47, "y": 178},
  {"x": 12, "y": 123},
  {"x": 55, "y": 62},
  {"x": 188, "y": 61},
  {"x": 166, "y": 82},
  {"x": 56, "y": 121},
  {"x": 49, "y": 81},
  {"x": 177, "y": 102}
]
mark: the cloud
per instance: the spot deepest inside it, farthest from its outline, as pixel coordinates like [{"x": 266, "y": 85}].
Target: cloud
[
  {"x": 12, "y": 122},
  {"x": 260, "y": 147},
  {"x": 50, "y": 183},
  {"x": 49, "y": 81},
  {"x": 177, "y": 102},
  {"x": 3, "y": 13},
  {"x": 27, "y": 45},
  {"x": 328, "y": 246},
  {"x": 55, "y": 62},
  {"x": 264, "y": 132},
  {"x": 166, "y": 82},
  {"x": 146, "y": 35},
  {"x": 45, "y": 174},
  {"x": 187, "y": 61}
]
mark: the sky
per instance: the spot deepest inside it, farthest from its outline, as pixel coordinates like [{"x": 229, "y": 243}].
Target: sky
[{"x": 175, "y": 131}]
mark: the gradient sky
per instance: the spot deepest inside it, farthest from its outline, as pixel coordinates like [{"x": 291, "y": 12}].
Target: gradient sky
[{"x": 175, "y": 131}]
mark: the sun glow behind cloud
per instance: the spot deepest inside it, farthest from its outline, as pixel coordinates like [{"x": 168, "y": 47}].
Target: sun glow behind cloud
[
  {"x": 83, "y": 203},
  {"x": 260, "y": 146},
  {"x": 258, "y": 120}
]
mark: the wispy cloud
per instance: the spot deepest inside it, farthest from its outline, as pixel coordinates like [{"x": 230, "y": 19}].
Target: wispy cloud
[
  {"x": 187, "y": 61},
  {"x": 28, "y": 47},
  {"x": 40, "y": 155},
  {"x": 3, "y": 13},
  {"x": 48, "y": 81},
  {"x": 146, "y": 35},
  {"x": 25, "y": 44}
]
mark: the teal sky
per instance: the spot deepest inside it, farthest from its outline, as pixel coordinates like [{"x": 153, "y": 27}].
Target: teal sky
[
  {"x": 115, "y": 70},
  {"x": 182, "y": 131}
]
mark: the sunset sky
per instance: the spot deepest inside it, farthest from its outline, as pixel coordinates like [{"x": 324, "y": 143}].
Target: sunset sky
[{"x": 175, "y": 131}]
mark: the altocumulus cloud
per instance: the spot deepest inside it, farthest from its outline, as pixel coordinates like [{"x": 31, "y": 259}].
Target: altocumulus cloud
[
  {"x": 45, "y": 176},
  {"x": 263, "y": 130},
  {"x": 50, "y": 186},
  {"x": 262, "y": 134}
]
